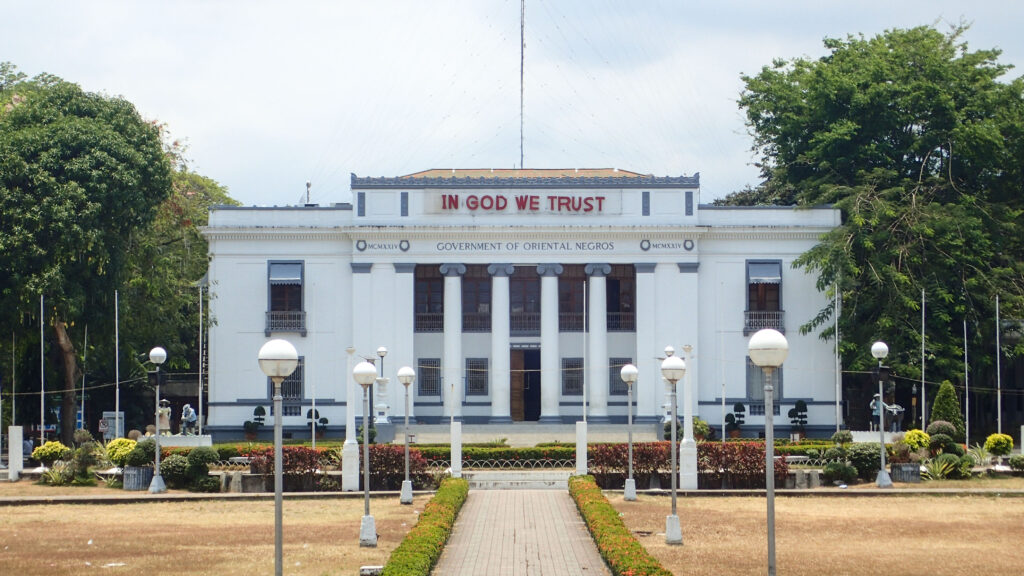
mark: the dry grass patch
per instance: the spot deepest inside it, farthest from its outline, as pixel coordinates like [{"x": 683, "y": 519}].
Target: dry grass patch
[
  {"x": 231, "y": 538},
  {"x": 894, "y": 536}
]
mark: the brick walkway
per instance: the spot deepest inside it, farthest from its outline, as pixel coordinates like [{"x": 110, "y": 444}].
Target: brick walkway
[{"x": 520, "y": 532}]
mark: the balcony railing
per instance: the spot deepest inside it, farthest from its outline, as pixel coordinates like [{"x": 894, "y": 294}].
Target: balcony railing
[
  {"x": 429, "y": 322},
  {"x": 755, "y": 320},
  {"x": 570, "y": 322},
  {"x": 286, "y": 321},
  {"x": 476, "y": 321},
  {"x": 758, "y": 409},
  {"x": 621, "y": 322},
  {"x": 525, "y": 323}
]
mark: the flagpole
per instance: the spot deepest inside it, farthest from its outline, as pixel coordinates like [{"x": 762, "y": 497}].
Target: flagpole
[
  {"x": 85, "y": 359},
  {"x": 839, "y": 373},
  {"x": 967, "y": 392},
  {"x": 42, "y": 377},
  {"x": 117, "y": 371},
  {"x": 924, "y": 397},
  {"x": 201, "y": 357},
  {"x": 999, "y": 379}
]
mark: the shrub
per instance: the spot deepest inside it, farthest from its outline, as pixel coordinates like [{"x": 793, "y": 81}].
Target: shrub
[
  {"x": 916, "y": 439},
  {"x": 941, "y": 427},
  {"x": 835, "y": 454},
  {"x": 207, "y": 484},
  {"x": 980, "y": 455},
  {"x": 865, "y": 457},
  {"x": 228, "y": 451},
  {"x": 843, "y": 437},
  {"x": 143, "y": 454},
  {"x": 839, "y": 471},
  {"x": 936, "y": 470},
  {"x": 966, "y": 466},
  {"x": 58, "y": 474},
  {"x": 118, "y": 449},
  {"x": 950, "y": 464},
  {"x": 740, "y": 464},
  {"x": 1017, "y": 463},
  {"x": 943, "y": 444},
  {"x": 999, "y": 444},
  {"x": 297, "y": 460},
  {"x": 615, "y": 542},
  {"x": 81, "y": 436},
  {"x": 422, "y": 546},
  {"x": 175, "y": 471},
  {"x": 798, "y": 415},
  {"x": 51, "y": 452},
  {"x": 203, "y": 455},
  {"x": 947, "y": 407},
  {"x": 387, "y": 467},
  {"x": 83, "y": 459}
]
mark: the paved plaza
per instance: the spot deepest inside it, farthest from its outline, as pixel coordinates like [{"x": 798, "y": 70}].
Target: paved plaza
[{"x": 520, "y": 532}]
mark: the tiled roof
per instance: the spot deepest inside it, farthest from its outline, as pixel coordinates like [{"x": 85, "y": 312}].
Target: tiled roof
[{"x": 524, "y": 173}]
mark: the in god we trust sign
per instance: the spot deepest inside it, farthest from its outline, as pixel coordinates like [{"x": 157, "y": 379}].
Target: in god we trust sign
[{"x": 527, "y": 203}]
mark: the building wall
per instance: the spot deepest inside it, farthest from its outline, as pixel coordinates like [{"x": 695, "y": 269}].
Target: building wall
[{"x": 691, "y": 288}]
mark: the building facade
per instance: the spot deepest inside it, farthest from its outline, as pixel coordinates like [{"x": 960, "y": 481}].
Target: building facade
[{"x": 516, "y": 295}]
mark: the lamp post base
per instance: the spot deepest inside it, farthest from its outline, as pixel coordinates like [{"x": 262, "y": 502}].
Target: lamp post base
[
  {"x": 883, "y": 480},
  {"x": 157, "y": 486},
  {"x": 630, "y": 493},
  {"x": 406, "y": 496},
  {"x": 673, "y": 534},
  {"x": 350, "y": 467},
  {"x": 368, "y": 532},
  {"x": 456, "y": 448}
]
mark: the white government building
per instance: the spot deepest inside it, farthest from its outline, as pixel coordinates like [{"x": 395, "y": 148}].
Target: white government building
[{"x": 516, "y": 295}]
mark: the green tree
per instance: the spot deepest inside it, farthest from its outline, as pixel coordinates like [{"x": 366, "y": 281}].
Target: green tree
[
  {"x": 80, "y": 174},
  {"x": 947, "y": 407},
  {"x": 920, "y": 143}
]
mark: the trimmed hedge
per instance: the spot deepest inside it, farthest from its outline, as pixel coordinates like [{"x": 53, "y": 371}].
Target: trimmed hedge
[
  {"x": 422, "y": 546},
  {"x": 618, "y": 547}
]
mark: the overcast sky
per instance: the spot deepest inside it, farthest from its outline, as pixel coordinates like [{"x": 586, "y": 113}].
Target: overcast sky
[{"x": 269, "y": 95}]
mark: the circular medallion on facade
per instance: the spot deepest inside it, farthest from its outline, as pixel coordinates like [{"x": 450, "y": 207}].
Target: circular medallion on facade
[
  {"x": 403, "y": 245},
  {"x": 645, "y": 245},
  {"x": 688, "y": 245},
  {"x": 360, "y": 245}
]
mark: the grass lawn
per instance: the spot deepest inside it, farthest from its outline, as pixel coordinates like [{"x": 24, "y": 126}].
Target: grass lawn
[
  {"x": 885, "y": 536},
  {"x": 205, "y": 537}
]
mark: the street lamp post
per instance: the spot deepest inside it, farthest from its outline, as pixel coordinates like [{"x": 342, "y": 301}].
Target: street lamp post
[
  {"x": 278, "y": 359},
  {"x": 880, "y": 350},
  {"x": 381, "y": 382},
  {"x": 629, "y": 373},
  {"x": 673, "y": 369},
  {"x": 768, "y": 349},
  {"x": 157, "y": 356},
  {"x": 406, "y": 375},
  {"x": 365, "y": 373}
]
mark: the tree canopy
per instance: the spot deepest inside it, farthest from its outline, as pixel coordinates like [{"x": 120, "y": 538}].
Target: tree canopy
[
  {"x": 93, "y": 200},
  {"x": 920, "y": 142}
]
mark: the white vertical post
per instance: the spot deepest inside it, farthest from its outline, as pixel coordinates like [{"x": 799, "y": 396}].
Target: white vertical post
[
  {"x": 999, "y": 379},
  {"x": 924, "y": 407},
  {"x": 117, "y": 370},
  {"x": 598, "y": 355},
  {"x": 14, "y": 451},
  {"x": 769, "y": 462},
  {"x": 839, "y": 372},
  {"x": 201, "y": 358},
  {"x": 350, "y": 450},
  {"x": 500, "y": 335},
  {"x": 967, "y": 392},
  {"x": 688, "y": 447},
  {"x": 550, "y": 357},
  {"x": 456, "y": 449},
  {"x": 85, "y": 359},
  {"x": 42, "y": 377}
]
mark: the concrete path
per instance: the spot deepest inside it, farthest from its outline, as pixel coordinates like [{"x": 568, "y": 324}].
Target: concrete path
[{"x": 520, "y": 532}]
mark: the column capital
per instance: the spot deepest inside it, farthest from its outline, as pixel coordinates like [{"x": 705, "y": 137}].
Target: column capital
[
  {"x": 549, "y": 269},
  {"x": 688, "y": 267},
  {"x": 501, "y": 269},
  {"x": 361, "y": 267},
  {"x": 645, "y": 267},
  {"x": 405, "y": 267},
  {"x": 452, "y": 269},
  {"x": 602, "y": 269}
]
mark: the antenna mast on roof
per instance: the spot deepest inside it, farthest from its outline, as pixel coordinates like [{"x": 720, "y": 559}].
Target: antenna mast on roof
[{"x": 522, "y": 53}]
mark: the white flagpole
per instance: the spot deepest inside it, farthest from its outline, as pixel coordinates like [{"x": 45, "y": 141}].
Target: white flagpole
[
  {"x": 42, "y": 377},
  {"x": 202, "y": 357},
  {"x": 999, "y": 379},
  {"x": 117, "y": 372},
  {"x": 585, "y": 366},
  {"x": 85, "y": 358},
  {"x": 967, "y": 392},
  {"x": 839, "y": 373},
  {"x": 924, "y": 397},
  {"x": 14, "y": 396}
]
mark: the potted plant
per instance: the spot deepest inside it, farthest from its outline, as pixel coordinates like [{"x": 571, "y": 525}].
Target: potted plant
[
  {"x": 138, "y": 466},
  {"x": 321, "y": 422},
  {"x": 701, "y": 429},
  {"x": 252, "y": 427},
  {"x": 734, "y": 420},
  {"x": 798, "y": 418}
]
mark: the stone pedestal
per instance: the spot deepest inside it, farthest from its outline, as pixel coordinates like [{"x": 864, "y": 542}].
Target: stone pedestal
[
  {"x": 673, "y": 533},
  {"x": 15, "y": 456},
  {"x": 629, "y": 494},
  {"x": 406, "y": 496},
  {"x": 456, "y": 445},
  {"x": 688, "y": 465},
  {"x": 350, "y": 467},
  {"x": 368, "y": 532}
]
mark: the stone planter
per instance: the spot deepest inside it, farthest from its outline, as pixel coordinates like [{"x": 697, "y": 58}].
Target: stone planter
[
  {"x": 905, "y": 472},
  {"x": 137, "y": 477}
]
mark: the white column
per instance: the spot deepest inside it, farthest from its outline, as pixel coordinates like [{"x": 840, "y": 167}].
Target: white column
[
  {"x": 452, "y": 363},
  {"x": 362, "y": 336},
  {"x": 648, "y": 387},
  {"x": 668, "y": 321},
  {"x": 597, "y": 302},
  {"x": 404, "y": 352},
  {"x": 500, "y": 336},
  {"x": 550, "y": 356}
]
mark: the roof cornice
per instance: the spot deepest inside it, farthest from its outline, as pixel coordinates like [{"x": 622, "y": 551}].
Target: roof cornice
[{"x": 385, "y": 183}]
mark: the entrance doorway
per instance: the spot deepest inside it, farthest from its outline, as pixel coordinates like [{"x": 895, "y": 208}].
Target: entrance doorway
[{"x": 524, "y": 389}]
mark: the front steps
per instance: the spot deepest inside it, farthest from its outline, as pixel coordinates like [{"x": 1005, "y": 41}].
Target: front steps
[{"x": 517, "y": 479}]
